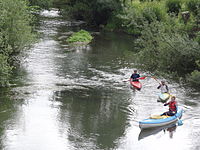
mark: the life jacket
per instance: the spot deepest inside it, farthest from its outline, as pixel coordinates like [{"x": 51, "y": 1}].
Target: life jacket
[
  {"x": 172, "y": 106},
  {"x": 134, "y": 76}
]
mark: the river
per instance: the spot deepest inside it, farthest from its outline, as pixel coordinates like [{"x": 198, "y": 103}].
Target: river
[{"x": 68, "y": 98}]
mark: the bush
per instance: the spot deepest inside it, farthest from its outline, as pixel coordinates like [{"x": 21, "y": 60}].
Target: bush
[
  {"x": 173, "y": 6},
  {"x": 137, "y": 15},
  {"x": 132, "y": 19},
  {"x": 15, "y": 20},
  {"x": 193, "y": 78},
  {"x": 5, "y": 70},
  {"x": 15, "y": 33},
  {"x": 81, "y": 36},
  {"x": 193, "y": 5},
  {"x": 94, "y": 12},
  {"x": 45, "y": 4},
  {"x": 81, "y": 11},
  {"x": 114, "y": 23},
  {"x": 197, "y": 38},
  {"x": 164, "y": 48},
  {"x": 154, "y": 10}
]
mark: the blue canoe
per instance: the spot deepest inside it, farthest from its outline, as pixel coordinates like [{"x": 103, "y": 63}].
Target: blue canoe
[{"x": 152, "y": 123}]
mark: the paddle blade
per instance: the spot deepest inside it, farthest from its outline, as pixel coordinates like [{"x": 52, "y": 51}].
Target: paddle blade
[
  {"x": 125, "y": 80},
  {"x": 142, "y": 78},
  {"x": 180, "y": 123}
]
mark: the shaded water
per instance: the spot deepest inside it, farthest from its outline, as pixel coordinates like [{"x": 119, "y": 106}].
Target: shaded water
[{"x": 75, "y": 98}]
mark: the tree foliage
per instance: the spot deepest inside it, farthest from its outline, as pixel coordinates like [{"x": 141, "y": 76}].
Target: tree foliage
[
  {"x": 46, "y": 4},
  {"x": 94, "y": 12},
  {"x": 138, "y": 14},
  {"x": 15, "y": 33},
  {"x": 173, "y": 6},
  {"x": 164, "y": 48},
  {"x": 15, "y": 28},
  {"x": 193, "y": 6},
  {"x": 193, "y": 78}
]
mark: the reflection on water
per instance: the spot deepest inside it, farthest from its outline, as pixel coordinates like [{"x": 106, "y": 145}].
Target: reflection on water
[
  {"x": 91, "y": 116},
  {"x": 166, "y": 129},
  {"x": 75, "y": 98}
]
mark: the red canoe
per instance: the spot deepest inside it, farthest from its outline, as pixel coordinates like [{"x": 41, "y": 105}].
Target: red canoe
[{"x": 136, "y": 84}]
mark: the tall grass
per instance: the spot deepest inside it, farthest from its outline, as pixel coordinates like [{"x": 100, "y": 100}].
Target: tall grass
[{"x": 81, "y": 36}]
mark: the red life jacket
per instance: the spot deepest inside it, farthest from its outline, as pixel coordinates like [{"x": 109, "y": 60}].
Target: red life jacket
[{"x": 172, "y": 106}]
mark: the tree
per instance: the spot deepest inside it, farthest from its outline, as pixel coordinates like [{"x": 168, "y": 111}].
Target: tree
[
  {"x": 94, "y": 12},
  {"x": 46, "y": 4},
  {"x": 15, "y": 33}
]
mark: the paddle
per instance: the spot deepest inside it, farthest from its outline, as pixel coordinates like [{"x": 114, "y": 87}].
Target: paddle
[
  {"x": 180, "y": 123},
  {"x": 140, "y": 78},
  {"x": 126, "y": 80},
  {"x": 156, "y": 79}
]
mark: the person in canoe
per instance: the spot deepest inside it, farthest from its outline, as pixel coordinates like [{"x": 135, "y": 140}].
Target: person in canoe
[
  {"x": 135, "y": 76},
  {"x": 172, "y": 107},
  {"x": 163, "y": 87}
]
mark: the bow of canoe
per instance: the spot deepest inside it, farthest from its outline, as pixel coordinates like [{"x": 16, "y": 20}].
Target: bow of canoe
[{"x": 136, "y": 84}]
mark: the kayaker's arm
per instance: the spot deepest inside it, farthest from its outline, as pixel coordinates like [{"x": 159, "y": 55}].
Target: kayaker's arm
[
  {"x": 167, "y": 88},
  {"x": 159, "y": 86},
  {"x": 166, "y": 104}
]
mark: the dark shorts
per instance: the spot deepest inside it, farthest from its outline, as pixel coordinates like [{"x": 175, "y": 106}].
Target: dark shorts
[
  {"x": 169, "y": 113},
  {"x": 135, "y": 80}
]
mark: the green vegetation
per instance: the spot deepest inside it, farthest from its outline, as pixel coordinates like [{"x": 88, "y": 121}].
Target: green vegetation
[
  {"x": 82, "y": 36},
  {"x": 138, "y": 14},
  {"x": 168, "y": 39},
  {"x": 94, "y": 12},
  {"x": 173, "y": 6},
  {"x": 5, "y": 70},
  {"x": 193, "y": 6},
  {"x": 165, "y": 48},
  {"x": 193, "y": 79},
  {"x": 44, "y": 4},
  {"x": 15, "y": 34}
]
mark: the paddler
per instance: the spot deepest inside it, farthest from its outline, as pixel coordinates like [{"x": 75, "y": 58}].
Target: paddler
[
  {"x": 135, "y": 76},
  {"x": 163, "y": 87},
  {"x": 172, "y": 107}
]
